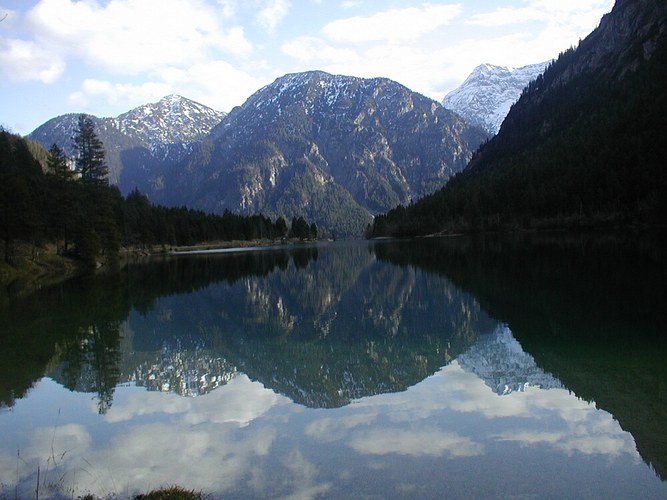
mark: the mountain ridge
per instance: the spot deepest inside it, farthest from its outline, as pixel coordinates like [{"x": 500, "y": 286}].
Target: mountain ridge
[
  {"x": 333, "y": 148},
  {"x": 174, "y": 123},
  {"x": 582, "y": 147},
  {"x": 153, "y": 132},
  {"x": 487, "y": 94}
]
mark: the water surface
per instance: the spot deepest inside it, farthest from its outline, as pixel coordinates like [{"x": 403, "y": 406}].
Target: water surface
[{"x": 458, "y": 368}]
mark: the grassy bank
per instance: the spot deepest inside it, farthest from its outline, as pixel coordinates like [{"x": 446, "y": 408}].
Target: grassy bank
[{"x": 34, "y": 266}]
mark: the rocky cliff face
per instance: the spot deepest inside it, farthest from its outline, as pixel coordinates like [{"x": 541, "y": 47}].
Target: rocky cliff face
[
  {"x": 172, "y": 120},
  {"x": 498, "y": 359},
  {"x": 136, "y": 142},
  {"x": 334, "y": 149},
  {"x": 626, "y": 38},
  {"x": 486, "y": 96},
  {"x": 584, "y": 145}
]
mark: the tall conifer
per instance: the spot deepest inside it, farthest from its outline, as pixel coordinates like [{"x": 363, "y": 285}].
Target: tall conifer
[{"x": 90, "y": 158}]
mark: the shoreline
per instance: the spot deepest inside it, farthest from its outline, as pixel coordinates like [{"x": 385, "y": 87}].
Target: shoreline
[{"x": 39, "y": 266}]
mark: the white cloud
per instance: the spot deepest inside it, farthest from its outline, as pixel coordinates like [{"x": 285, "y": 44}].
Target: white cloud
[
  {"x": 313, "y": 49},
  {"x": 128, "y": 55},
  {"x": 244, "y": 437},
  {"x": 582, "y": 439},
  {"x": 207, "y": 457},
  {"x": 24, "y": 60},
  {"x": 129, "y": 37},
  {"x": 236, "y": 42},
  {"x": 579, "y": 15},
  {"x": 308, "y": 485},
  {"x": 396, "y": 25},
  {"x": 272, "y": 13},
  {"x": 216, "y": 84},
  {"x": 425, "y": 441},
  {"x": 194, "y": 442},
  {"x": 125, "y": 94},
  {"x": 334, "y": 429},
  {"x": 239, "y": 401},
  {"x": 228, "y": 8},
  {"x": 504, "y": 16},
  {"x": 434, "y": 65}
]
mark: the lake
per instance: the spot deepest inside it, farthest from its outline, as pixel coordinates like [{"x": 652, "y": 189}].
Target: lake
[{"x": 529, "y": 366}]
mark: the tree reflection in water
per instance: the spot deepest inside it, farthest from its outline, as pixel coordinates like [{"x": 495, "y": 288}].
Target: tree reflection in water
[{"x": 325, "y": 325}]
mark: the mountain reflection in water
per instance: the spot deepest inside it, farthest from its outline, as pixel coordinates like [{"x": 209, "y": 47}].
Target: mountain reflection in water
[
  {"x": 502, "y": 364},
  {"x": 448, "y": 349}
]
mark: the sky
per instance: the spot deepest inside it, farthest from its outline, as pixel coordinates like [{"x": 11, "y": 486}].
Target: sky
[{"x": 105, "y": 57}]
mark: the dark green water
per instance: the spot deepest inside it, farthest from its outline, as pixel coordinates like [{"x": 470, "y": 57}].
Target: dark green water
[{"x": 531, "y": 366}]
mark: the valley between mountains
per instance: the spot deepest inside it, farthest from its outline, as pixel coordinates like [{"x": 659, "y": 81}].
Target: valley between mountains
[
  {"x": 334, "y": 149},
  {"x": 575, "y": 142}
]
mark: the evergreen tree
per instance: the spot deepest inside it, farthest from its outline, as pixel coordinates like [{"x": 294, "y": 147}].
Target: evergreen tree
[
  {"x": 90, "y": 159},
  {"x": 19, "y": 214},
  {"x": 57, "y": 163},
  {"x": 281, "y": 227},
  {"x": 97, "y": 222},
  {"x": 62, "y": 211},
  {"x": 299, "y": 229}
]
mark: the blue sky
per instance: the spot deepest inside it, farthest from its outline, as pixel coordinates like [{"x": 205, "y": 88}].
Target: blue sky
[{"x": 107, "y": 56}]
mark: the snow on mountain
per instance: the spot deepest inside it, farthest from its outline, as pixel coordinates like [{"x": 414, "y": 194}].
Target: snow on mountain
[
  {"x": 499, "y": 360},
  {"x": 158, "y": 133},
  {"x": 486, "y": 96},
  {"x": 332, "y": 148},
  {"x": 173, "y": 119}
]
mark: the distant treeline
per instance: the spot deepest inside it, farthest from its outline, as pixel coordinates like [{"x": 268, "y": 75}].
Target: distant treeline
[
  {"x": 589, "y": 152},
  {"x": 45, "y": 200}
]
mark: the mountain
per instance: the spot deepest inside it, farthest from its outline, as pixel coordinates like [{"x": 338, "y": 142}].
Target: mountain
[
  {"x": 334, "y": 149},
  {"x": 486, "y": 96},
  {"x": 582, "y": 147},
  {"x": 135, "y": 142},
  {"x": 172, "y": 120},
  {"x": 498, "y": 359},
  {"x": 322, "y": 325}
]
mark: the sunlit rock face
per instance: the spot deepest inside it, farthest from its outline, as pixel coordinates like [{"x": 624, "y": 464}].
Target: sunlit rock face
[
  {"x": 187, "y": 373},
  {"x": 140, "y": 143},
  {"x": 498, "y": 359},
  {"x": 486, "y": 96},
  {"x": 333, "y": 148}
]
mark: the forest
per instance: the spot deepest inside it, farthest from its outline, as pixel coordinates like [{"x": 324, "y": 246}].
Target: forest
[
  {"x": 587, "y": 153},
  {"x": 46, "y": 198}
]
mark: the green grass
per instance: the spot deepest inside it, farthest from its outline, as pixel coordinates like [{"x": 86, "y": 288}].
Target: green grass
[{"x": 171, "y": 493}]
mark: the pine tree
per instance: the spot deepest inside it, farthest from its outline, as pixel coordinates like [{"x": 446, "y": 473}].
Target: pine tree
[
  {"x": 299, "y": 228},
  {"x": 90, "y": 159},
  {"x": 281, "y": 227},
  {"x": 57, "y": 163},
  {"x": 62, "y": 210},
  {"x": 19, "y": 172}
]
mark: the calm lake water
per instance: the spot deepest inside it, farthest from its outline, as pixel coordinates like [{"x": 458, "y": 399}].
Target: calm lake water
[{"x": 529, "y": 367}]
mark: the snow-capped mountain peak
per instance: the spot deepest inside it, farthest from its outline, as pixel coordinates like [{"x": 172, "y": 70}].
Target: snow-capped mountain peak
[
  {"x": 500, "y": 361},
  {"x": 173, "y": 119},
  {"x": 162, "y": 132},
  {"x": 486, "y": 96}
]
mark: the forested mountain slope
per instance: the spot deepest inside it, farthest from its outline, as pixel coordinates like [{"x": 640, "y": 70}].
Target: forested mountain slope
[
  {"x": 584, "y": 145},
  {"x": 334, "y": 149},
  {"x": 140, "y": 141}
]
